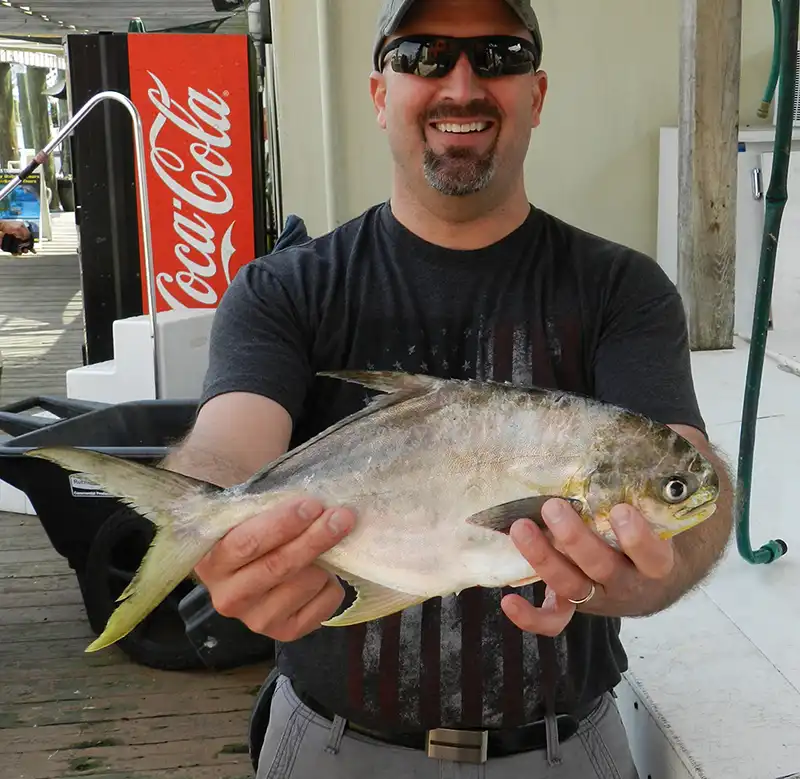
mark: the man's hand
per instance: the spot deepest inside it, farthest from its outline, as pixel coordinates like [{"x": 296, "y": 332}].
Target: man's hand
[
  {"x": 577, "y": 559},
  {"x": 262, "y": 572}
]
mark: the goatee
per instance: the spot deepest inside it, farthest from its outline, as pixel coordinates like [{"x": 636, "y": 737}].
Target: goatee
[{"x": 458, "y": 172}]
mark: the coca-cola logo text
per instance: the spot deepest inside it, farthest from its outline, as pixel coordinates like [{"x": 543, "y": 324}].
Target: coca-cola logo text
[{"x": 205, "y": 191}]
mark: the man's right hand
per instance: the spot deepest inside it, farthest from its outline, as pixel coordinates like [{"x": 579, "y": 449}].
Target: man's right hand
[{"x": 262, "y": 572}]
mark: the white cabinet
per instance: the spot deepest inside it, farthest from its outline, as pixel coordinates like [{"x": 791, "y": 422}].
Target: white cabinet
[{"x": 755, "y": 152}]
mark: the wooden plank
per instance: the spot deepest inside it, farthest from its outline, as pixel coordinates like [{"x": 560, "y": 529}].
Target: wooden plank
[
  {"x": 710, "y": 68},
  {"x": 66, "y": 713},
  {"x": 120, "y": 680},
  {"x": 35, "y": 599},
  {"x": 132, "y": 706},
  {"x": 49, "y": 612},
  {"x": 165, "y": 756},
  {"x": 140, "y": 731},
  {"x": 31, "y": 570},
  {"x": 29, "y": 584},
  {"x": 41, "y": 553}
]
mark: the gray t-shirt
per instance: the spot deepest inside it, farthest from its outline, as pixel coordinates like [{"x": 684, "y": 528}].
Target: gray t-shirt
[{"x": 548, "y": 305}]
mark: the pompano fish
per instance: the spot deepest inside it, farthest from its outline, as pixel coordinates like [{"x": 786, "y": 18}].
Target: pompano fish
[{"x": 437, "y": 471}]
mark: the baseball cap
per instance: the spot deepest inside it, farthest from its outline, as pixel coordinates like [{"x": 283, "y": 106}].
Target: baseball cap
[{"x": 393, "y": 12}]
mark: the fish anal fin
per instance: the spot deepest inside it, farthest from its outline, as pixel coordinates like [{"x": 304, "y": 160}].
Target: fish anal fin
[
  {"x": 502, "y": 516},
  {"x": 387, "y": 381},
  {"x": 373, "y": 601}
]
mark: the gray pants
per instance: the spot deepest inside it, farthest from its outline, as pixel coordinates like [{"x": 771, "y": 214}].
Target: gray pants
[{"x": 300, "y": 744}]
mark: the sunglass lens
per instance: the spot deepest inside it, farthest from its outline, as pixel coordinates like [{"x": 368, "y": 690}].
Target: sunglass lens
[
  {"x": 428, "y": 59},
  {"x": 435, "y": 57},
  {"x": 492, "y": 59}
]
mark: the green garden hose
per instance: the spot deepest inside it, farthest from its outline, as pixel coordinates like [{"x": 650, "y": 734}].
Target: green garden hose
[
  {"x": 769, "y": 92},
  {"x": 776, "y": 198}
]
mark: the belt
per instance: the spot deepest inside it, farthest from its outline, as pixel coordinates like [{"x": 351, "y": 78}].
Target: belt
[{"x": 464, "y": 745}]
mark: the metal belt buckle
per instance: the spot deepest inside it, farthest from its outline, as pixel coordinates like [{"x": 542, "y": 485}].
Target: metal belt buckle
[{"x": 460, "y": 746}]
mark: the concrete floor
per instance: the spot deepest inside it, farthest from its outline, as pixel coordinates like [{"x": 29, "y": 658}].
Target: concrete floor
[{"x": 719, "y": 673}]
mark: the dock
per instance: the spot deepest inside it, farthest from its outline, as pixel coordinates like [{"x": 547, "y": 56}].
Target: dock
[
  {"x": 65, "y": 713},
  {"x": 713, "y": 689},
  {"x": 41, "y": 316}
]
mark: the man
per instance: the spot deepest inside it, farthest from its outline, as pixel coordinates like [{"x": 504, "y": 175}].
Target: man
[
  {"x": 458, "y": 275},
  {"x": 15, "y": 237}
]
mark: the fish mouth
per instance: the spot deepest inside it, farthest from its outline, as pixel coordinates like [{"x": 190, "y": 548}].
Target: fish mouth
[{"x": 699, "y": 505}]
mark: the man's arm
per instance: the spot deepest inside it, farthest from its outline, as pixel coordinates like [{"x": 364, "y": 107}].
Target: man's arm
[
  {"x": 642, "y": 362},
  {"x": 262, "y": 572},
  {"x": 235, "y": 435}
]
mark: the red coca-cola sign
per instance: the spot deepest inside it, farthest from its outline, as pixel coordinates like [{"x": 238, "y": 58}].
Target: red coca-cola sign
[{"x": 193, "y": 95}]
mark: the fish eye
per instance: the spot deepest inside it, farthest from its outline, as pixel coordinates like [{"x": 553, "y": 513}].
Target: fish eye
[{"x": 675, "y": 489}]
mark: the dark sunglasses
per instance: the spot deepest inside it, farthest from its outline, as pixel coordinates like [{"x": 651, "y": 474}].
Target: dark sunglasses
[{"x": 434, "y": 56}]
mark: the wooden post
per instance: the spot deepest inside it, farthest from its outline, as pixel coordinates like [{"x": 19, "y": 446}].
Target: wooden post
[
  {"x": 38, "y": 111},
  {"x": 8, "y": 123},
  {"x": 710, "y": 67}
]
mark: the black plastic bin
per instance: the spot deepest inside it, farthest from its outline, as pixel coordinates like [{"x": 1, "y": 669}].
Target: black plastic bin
[{"x": 104, "y": 541}]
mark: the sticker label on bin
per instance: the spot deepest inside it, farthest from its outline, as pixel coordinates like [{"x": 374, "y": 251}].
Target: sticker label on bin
[{"x": 83, "y": 488}]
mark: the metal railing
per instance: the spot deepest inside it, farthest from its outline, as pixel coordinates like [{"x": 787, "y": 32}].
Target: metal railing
[{"x": 144, "y": 203}]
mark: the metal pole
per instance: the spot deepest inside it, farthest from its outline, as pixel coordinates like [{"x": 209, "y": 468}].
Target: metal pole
[
  {"x": 271, "y": 92},
  {"x": 326, "y": 107},
  {"x": 144, "y": 201},
  {"x": 273, "y": 138}
]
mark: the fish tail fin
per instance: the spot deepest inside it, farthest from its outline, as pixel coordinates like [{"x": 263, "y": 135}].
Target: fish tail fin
[{"x": 174, "y": 503}]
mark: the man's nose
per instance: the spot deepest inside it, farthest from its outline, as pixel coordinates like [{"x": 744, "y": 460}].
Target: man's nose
[{"x": 461, "y": 84}]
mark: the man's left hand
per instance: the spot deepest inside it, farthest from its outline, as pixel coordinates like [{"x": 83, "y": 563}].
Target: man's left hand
[{"x": 577, "y": 562}]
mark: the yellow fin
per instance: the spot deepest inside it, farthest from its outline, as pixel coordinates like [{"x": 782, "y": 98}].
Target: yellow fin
[{"x": 373, "y": 601}]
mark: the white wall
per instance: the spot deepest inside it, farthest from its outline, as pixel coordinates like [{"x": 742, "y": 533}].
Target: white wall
[{"x": 613, "y": 68}]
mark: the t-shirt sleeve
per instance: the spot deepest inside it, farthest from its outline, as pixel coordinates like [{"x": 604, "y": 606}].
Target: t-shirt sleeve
[
  {"x": 643, "y": 361},
  {"x": 259, "y": 339}
]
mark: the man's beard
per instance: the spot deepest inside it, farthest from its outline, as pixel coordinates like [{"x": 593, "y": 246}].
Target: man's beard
[{"x": 458, "y": 172}]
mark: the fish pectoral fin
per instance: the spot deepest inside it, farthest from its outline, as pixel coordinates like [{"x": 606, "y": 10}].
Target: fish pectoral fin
[
  {"x": 387, "y": 381},
  {"x": 373, "y": 601},
  {"x": 502, "y": 516}
]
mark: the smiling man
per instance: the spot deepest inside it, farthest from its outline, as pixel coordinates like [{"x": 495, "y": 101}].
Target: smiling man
[{"x": 458, "y": 275}]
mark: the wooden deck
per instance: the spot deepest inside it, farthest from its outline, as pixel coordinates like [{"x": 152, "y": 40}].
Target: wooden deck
[
  {"x": 41, "y": 324},
  {"x": 64, "y": 713},
  {"x": 64, "y": 240}
]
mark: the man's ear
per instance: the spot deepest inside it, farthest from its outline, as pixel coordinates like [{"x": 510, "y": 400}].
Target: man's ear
[
  {"x": 538, "y": 94},
  {"x": 377, "y": 88}
]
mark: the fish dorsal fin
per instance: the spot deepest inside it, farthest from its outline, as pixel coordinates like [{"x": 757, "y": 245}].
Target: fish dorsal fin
[
  {"x": 502, "y": 516},
  {"x": 388, "y": 381},
  {"x": 405, "y": 386}
]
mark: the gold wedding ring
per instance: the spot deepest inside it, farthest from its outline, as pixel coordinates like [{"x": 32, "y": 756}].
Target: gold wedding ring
[{"x": 584, "y": 600}]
